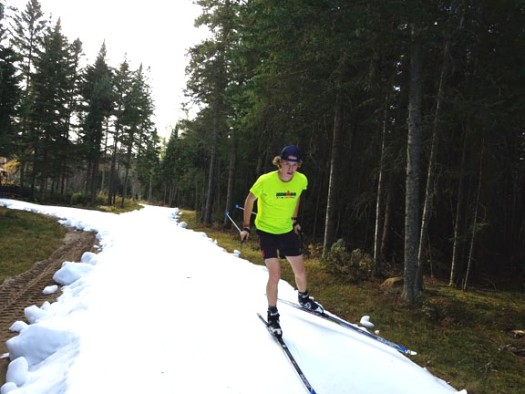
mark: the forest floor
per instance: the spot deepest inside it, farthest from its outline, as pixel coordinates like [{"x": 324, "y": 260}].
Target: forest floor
[{"x": 26, "y": 289}]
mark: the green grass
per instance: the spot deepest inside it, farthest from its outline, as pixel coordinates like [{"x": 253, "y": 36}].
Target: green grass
[
  {"x": 462, "y": 337},
  {"x": 26, "y": 238}
]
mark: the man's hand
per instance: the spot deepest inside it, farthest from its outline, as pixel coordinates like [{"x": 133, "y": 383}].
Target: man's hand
[{"x": 245, "y": 234}]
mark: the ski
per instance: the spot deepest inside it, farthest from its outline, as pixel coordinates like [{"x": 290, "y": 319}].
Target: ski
[
  {"x": 290, "y": 356},
  {"x": 344, "y": 323}
]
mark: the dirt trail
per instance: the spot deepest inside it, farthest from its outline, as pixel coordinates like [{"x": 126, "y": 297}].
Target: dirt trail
[{"x": 26, "y": 289}]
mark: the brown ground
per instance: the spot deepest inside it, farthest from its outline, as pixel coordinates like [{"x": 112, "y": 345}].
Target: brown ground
[{"x": 26, "y": 289}]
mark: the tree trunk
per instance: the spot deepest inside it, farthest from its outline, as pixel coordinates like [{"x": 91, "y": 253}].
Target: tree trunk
[
  {"x": 412, "y": 289},
  {"x": 126, "y": 176},
  {"x": 386, "y": 224},
  {"x": 231, "y": 177},
  {"x": 458, "y": 222},
  {"x": 429, "y": 188},
  {"x": 207, "y": 215},
  {"x": 105, "y": 155},
  {"x": 380, "y": 198},
  {"x": 333, "y": 180},
  {"x": 474, "y": 229},
  {"x": 93, "y": 180}
]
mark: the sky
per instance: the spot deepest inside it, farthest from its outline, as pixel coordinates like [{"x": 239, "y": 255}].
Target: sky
[
  {"x": 163, "y": 309},
  {"x": 154, "y": 33}
]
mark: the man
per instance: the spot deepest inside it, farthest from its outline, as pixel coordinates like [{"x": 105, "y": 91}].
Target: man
[{"x": 278, "y": 193}]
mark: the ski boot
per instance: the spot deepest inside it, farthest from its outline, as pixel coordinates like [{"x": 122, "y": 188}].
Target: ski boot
[
  {"x": 273, "y": 322},
  {"x": 308, "y": 303}
]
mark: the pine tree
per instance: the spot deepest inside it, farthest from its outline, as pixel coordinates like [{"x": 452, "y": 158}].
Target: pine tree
[
  {"x": 28, "y": 35},
  {"x": 98, "y": 99},
  {"x": 51, "y": 89},
  {"x": 122, "y": 88},
  {"x": 29, "y": 27},
  {"x": 9, "y": 93},
  {"x": 138, "y": 134},
  {"x": 208, "y": 81}
]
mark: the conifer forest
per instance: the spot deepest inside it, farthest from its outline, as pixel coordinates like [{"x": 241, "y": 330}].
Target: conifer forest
[{"x": 410, "y": 116}]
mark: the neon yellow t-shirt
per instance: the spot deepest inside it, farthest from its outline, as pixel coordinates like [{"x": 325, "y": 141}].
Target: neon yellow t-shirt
[{"x": 276, "y": 201}]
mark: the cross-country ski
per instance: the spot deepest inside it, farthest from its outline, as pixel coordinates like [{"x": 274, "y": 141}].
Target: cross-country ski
[
  {"x": 331, "y": 317},
  {"x": 290, "y": 356}
]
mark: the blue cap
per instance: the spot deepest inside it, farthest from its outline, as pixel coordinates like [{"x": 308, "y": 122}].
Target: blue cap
[{"x": 291, "y": 153}]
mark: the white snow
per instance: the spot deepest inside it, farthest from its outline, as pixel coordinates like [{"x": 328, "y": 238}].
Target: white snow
[
  {"x": 163, "y": 309},
  {"x": 365, "y": 322},
  {"x": 52, "y": 289}
]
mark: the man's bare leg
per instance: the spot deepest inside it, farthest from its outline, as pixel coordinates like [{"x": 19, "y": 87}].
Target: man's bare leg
[
  {"x": 274, "y": 275},
  {"x": 297, "y": 264}
]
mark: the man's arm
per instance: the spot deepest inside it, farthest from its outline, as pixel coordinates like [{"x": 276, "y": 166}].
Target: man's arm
[
  {"x": 248, "y": 209},
  {"x": 296, "y": 224}
]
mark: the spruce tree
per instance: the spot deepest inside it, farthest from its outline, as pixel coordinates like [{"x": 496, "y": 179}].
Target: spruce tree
[
  {"x": 9, "y": 93},
  {"x": 97, "y": 104}
]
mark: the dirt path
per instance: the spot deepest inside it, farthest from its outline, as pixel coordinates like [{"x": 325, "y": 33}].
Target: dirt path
[{"x": 26, "y": 289}]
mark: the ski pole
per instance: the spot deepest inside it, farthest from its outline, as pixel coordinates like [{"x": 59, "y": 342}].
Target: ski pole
[
  {"x": 239, "y": 207},
  {"x": 235, "y": 224},
  {"x": 233, "y": 221}
]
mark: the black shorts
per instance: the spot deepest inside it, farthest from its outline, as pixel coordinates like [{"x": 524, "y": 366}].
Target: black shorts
[{"x": 286, "y": 244}]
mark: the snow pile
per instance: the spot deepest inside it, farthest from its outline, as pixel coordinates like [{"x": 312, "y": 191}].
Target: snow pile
[{"x": 163, "y": 309}]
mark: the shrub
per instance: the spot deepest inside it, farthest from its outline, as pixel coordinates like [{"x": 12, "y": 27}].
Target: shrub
[
  {"x": 355, "y": 266},
  {"x": 79, "y": 198}
]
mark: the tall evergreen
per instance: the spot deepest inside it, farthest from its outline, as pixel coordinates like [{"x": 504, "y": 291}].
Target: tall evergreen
[
  {"x": 28, "y": 29},
  {"x": 9, "y": 92},
  {"x": 138, "y": 135},
  {"x": 208, "y": 83},
  {"x": 122, "y": 88},
  {"x": 51, "y": 89},
  {"x": 98, "y": 100},
  {"x": 169, "y": 168}
]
